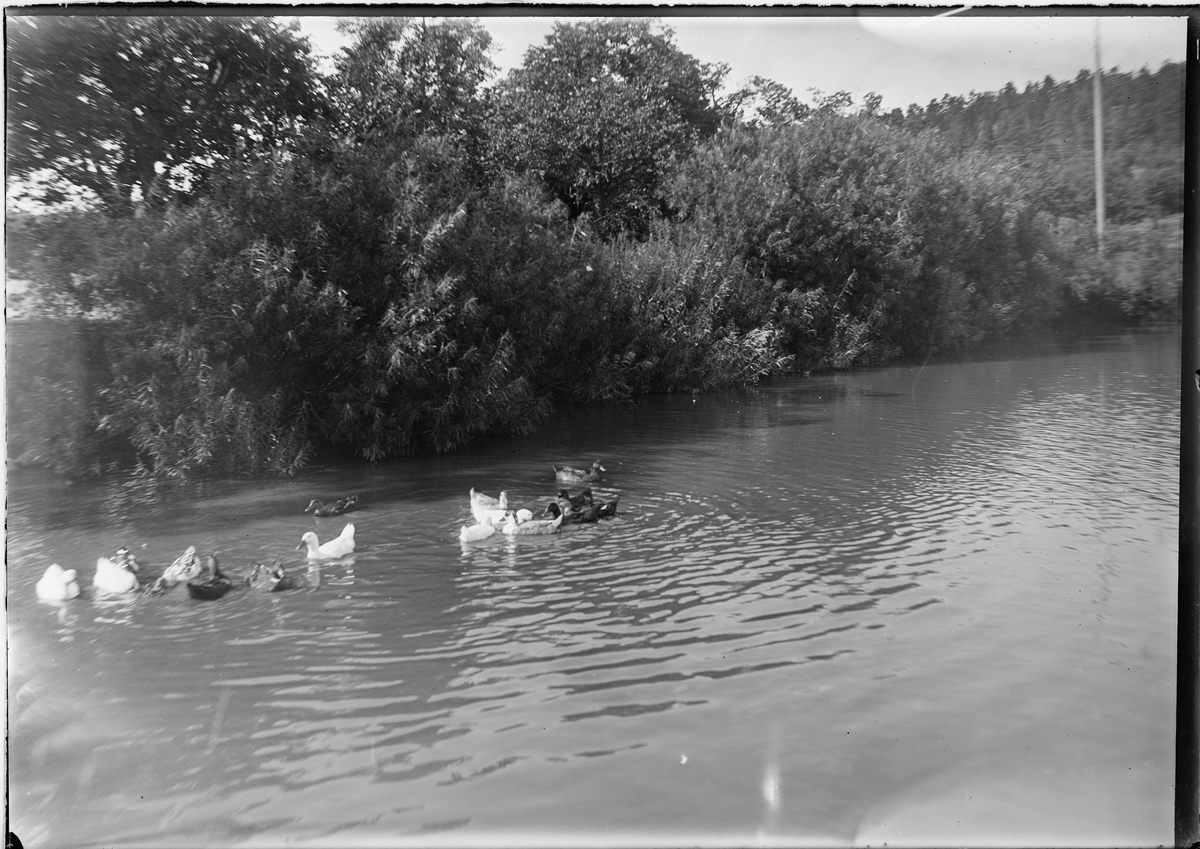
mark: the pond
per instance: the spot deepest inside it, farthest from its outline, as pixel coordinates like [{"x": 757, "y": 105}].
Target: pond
[{"x": 922, "y": 604}]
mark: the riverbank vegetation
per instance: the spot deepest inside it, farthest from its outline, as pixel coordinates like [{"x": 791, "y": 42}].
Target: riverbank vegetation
[{"x": 402, "y": 252}]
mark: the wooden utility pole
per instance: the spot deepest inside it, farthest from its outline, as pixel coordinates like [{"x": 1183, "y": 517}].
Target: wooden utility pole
[{"x": 1098, "y": 145}]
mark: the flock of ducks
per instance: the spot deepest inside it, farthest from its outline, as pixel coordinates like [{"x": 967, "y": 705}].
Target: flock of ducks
[
  {"x": 203, "y": 577},
  {"x": 205, "y": 581},
  {"x": 492, "y": 514}
]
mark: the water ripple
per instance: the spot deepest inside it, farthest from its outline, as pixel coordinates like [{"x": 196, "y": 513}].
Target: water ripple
[{"x": 812, "y": 592}]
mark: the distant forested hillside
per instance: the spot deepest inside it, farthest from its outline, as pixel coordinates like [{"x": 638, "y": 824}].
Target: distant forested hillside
[{"x": 1047, "y": 128}]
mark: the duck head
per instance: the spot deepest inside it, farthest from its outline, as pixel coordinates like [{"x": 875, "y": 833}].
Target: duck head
[{"x": 126, "y": 560}]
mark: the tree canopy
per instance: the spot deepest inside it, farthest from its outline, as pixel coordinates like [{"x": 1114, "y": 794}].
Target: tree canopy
[
  {"x": 403, "y": 77},
  {"x": 1047, "y": 129},
  {"x": 121, "y": 105},
  {"x": 600, "y": 110},
  {"x": 765, "y": 103}
]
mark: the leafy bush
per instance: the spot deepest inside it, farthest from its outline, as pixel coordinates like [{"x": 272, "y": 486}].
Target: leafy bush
[
  {"x": 1138, "y": 278},
  {"x": 183, "y": 415},
  {"x": 875, "y": 242},
  {"x": 692, "y": 319},
  {"x": 1146, "y": 268},
  {"x": 368, "y": 297}
]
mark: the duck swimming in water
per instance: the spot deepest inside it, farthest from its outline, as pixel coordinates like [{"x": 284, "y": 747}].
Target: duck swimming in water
[
  {"x": 186, "y": 567},
  {"x": 212, "y": 583},
  {"x": 484, "y": 506},
  {"x": 533, "y": 526},
  {"x": 340, "y": 546},
  {"x": 573, "y": 516},
  {"x": 475, "y": 533},
  {"x": 337, "y": 508},
  {"x": 582, "y": 515},
  {"x": 568, "y": 474},
  {"x": 576, "y": 501},
  {"x": 58, "y": 584},
  {"x": 124, "y": 557},
  {"x": 114, "y": 577},
  {"x": 608, "y": 509},
  {"x": 272, "y": 579},
  {"x": 485, "y": 500}
]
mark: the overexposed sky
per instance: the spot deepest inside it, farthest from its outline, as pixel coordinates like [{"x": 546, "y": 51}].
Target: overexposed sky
[{"x": 906, "y": 59}]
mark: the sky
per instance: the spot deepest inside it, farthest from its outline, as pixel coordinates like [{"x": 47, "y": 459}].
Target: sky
[{"x": 906, "y": 59}]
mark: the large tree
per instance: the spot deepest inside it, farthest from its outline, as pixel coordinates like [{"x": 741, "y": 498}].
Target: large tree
[
  {"x": 404, "y": 77},
  {"x": 121, "y": 105},
  {"x": 601, "y": 110}
]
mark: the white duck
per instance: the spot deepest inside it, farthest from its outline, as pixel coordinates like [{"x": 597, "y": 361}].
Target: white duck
[
  {"x": 475, "y": 533},
  {"x": 58, "y": 584},
  {"x": 113, "y": 577},
  {"x": 487, "y": 501},
  {"x": 332, "y": 550},
  {"x": 185, "y": 567},
  {"x": 534, "y": 526},
  {"x": 484, "y": 506}
]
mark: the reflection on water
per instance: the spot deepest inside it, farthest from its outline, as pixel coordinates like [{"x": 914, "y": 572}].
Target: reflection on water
[{"x": 827, "y": 606}]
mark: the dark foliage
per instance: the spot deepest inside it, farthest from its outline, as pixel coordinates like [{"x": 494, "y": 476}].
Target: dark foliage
[
  {"x": 599, "y": 112},
  {"x": 421, "y": 261},
  {"x": 129, "y": 107}
]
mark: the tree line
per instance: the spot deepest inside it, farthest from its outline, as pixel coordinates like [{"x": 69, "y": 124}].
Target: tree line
[
  {"x": 405, "y": 251},
  {"x": 1048, "y": 129}
]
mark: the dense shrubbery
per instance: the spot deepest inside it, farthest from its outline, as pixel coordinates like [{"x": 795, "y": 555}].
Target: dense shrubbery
[
  {"x": 871, "y": 242},
  {"x": 678, "y": 303},
  {"x": 1138, "y": 278},
  {"x": 394, "y": 283},
  {"x": 352, "y": 297}
]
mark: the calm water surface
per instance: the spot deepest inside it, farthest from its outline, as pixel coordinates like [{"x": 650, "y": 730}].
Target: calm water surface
[{"x": 919, "y": 604}]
